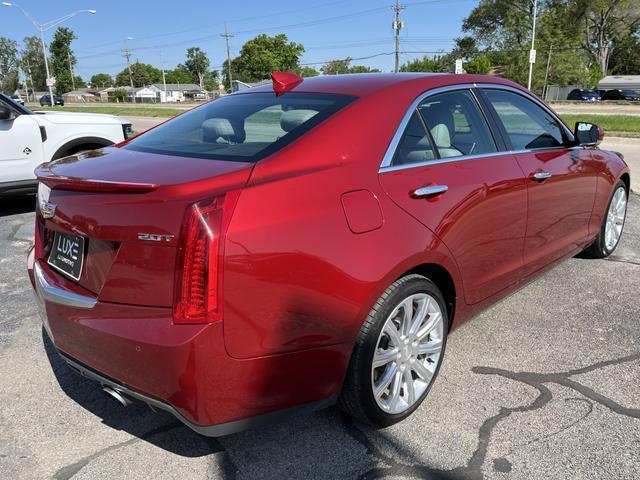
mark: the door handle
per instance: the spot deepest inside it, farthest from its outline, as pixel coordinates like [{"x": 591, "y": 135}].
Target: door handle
[
  {"x": 540, "y": 176},
  {"x": 430, "y": 191}
]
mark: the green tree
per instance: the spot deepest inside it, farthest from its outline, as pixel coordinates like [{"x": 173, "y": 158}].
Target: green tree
[
  {"x": 101, "y": 80},
  {"x": 32, "y": 62},
  {"x": 466, "y": 48},
  {"x": 426, "y": 64},
  {"x": 120, "y": 94},
  {"x": 306, "y": 71},
  {"x": 580, "y": 34},
  {"x": 62, "y": 59},
  {"x": 263, "y": 55},
  {"x": 142, "y": 74},
  {"x": 180, "y": 74},
  {"x": 198, "y": 64},
  {"x": 9, "y": 76},
  {"x": 480, "y": 65},
  {"x": 335, "y": 67},
  {"x": 625, "y": 59},
  {"x": 211, "y": 80},
  {"x": 606, "y": 22}
]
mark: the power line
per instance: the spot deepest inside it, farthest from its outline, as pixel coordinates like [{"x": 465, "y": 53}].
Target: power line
[{"x": 217, "y": 24}]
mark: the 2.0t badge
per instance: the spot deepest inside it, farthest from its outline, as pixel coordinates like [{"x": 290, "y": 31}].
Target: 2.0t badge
[{"x": 155, "y": 237}]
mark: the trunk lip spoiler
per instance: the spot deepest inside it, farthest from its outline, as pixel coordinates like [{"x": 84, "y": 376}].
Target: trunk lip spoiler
[{"x": 60, "y": 182}]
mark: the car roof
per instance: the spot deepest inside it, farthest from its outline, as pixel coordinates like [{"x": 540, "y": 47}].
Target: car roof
[{"x": 361, "y": 84}]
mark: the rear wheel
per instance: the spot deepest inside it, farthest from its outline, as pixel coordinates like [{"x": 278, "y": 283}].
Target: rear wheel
[
  {"x": 612, "y": 225},
  {"x": 397, "y": 354}
]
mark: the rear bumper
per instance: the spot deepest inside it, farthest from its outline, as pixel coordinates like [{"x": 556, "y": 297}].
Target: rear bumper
[
  {"x": 183, "y": 369},
  {"x": 208, "y": 430}
]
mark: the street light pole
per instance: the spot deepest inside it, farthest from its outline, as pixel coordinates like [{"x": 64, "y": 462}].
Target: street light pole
[
  {"x": 43, "y": 27},
  {"x": 46, "y": 67},
  {"x": 532, "y": 52}
]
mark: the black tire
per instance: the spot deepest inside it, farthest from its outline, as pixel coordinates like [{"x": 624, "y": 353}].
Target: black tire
[
  {"x": 598, "y": 249},
  {"x": 357, "y": 397}
]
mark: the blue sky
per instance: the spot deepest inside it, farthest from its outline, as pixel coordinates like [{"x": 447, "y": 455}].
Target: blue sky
[{"x": 162, "y": 29}]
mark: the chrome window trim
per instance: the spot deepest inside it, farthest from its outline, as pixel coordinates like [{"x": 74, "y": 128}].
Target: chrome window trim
[{"x": 386, "y": 166}]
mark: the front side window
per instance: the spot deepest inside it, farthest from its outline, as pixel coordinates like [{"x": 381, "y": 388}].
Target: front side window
[
  {"x": 240, "y": 127},
  {"x": 528, "y": 125},
  {"x": 456, "y": 124}
]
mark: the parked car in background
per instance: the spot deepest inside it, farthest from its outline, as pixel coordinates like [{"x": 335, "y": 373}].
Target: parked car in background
[
  {"x": 584, "y": 95},
  {"x": 17, "y": 99},
  {"x": 46, "y": 100},
  {"x": 266, "y": 254},
  {"x": 630, "y": 95},
  {"x": 29, "y": 138}
]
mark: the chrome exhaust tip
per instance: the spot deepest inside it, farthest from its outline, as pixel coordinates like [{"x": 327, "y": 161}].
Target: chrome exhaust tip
[{"x": 117, "y": 396}]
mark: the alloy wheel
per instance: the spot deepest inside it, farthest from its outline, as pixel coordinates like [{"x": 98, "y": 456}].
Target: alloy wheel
[
  {"x": 615, "y": 219},
  {"x": 407, "y": 353}
]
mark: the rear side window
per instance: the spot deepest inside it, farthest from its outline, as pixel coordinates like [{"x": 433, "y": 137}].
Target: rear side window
[
  {"x": 456, "y": 124},
  {"x": 415, "y": 146},
  {"x": 241, "y": 127},
  {"x": 527, "y": 124}
]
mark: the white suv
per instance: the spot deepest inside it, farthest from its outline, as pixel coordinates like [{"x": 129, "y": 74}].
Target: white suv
[{"x": 28, "y": 139}]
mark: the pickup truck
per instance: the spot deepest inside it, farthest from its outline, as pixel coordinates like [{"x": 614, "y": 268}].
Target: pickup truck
[{"x": 29, "y": 138}]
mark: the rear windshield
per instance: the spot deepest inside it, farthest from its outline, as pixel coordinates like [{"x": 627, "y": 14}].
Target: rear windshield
[{"x": 240, "y": 127}]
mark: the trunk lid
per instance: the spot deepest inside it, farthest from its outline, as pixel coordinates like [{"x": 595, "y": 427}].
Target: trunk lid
[{"x": 129, "y": 207}]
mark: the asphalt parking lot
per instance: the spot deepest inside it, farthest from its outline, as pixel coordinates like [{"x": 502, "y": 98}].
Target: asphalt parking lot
[{"x": 546, "y": 384}]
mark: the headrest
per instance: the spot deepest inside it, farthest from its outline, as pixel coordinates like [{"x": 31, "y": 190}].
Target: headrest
[
  {"x": 294, "y": 118},
  {"x": 216, "y": 128},
  {"x": 441, "y": 136}
]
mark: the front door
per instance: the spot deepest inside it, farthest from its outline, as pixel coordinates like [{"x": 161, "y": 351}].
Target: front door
[
  {"x": 447, "y": 173},
  {"x": 561, "y": 180},
  {"x": 20, "y": 147}
]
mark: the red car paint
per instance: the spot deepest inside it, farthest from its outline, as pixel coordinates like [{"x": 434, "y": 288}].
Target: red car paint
[{"x": 309, "y": 238}]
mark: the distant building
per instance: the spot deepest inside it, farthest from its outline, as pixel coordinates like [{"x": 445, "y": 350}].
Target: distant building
[
  {"x": 620, "y": 82},
  {"x": 179, "y": 92},
  {"x": 22, "y": 93},
  {"x": 81, "y": 95},
  {"x": 137, "y": 94},
  {"x": 238, "y": 85}
]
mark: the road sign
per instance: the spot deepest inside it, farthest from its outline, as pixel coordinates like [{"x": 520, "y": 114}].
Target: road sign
[
  {"x": 459, "y": 66},
  {"x": 532, "y": 56},
  {"x": 51, "y": 81}
]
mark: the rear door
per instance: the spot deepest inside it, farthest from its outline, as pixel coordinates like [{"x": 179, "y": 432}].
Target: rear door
[
  {"x": 444, "y": 167},
  {"x": 561, "y": 179}
]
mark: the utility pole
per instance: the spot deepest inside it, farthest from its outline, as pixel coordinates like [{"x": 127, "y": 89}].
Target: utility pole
[
  {"x": 546, "y": 73},
  {"x": 532, "y": 52},
  {"x": 126, "y": 53},
  {"x": 397, "y": 25},
  {"x": 164, "y": 80},
  {"x": 27, "y": 75},
  {"x": 227, "y": 36},
  {"x": 73, "y": 80}
]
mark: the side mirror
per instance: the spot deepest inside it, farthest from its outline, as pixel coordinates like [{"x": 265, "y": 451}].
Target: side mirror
[
  {"x": 5, "y": 113},
  {"x": 588, "y": 133}
]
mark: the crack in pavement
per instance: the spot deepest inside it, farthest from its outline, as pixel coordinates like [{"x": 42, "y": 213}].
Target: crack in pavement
[
  {"x": 473, "y": 468},
  {"x": 622, "y": 260}
]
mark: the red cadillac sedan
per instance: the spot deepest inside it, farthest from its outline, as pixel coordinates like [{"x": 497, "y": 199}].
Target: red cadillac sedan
[{"x": 312, "y": 241}]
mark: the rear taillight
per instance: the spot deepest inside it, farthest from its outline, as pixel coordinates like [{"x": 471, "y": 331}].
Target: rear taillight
[{"x": 198, "y": 263}]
